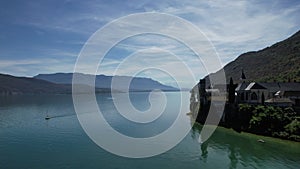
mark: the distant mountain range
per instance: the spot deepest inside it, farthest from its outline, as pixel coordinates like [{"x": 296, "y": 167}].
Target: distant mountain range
[
  {"x": 10, "y": 85},
  {"x": 104, "y": 82},
  {"x": 61, "y": 83},
  {"x": 279, "y": 62}
]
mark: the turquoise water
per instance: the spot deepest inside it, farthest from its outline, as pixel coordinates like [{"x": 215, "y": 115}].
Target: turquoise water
[{"x": 27, "y": 140}]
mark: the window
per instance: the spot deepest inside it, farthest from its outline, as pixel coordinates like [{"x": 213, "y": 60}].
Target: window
[
  {"x": 253, "y": 96},
  {"x": 242, "y": 96}
]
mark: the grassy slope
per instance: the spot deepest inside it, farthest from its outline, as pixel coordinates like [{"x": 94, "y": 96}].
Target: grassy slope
[{"x": 280, "y": 62}]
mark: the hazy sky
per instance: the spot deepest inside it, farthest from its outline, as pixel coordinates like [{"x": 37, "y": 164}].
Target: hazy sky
[{"x": 46, "y": 36}]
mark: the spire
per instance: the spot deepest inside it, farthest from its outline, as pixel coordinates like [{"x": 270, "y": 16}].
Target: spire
[{"x": 243, "y": 77}]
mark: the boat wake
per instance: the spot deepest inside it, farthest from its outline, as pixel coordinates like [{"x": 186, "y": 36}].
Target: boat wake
[{"x": 58, "y": 116}]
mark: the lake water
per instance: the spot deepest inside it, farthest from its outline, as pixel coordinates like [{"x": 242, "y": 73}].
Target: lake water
[{"x": 27, "y": 140}]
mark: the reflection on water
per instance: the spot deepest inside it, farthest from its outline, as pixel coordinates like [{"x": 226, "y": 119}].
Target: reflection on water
[
  {"x": 204, "y": 151},
  {"x": 243, "y": 150},
  {"x": 30, "y": 141}
]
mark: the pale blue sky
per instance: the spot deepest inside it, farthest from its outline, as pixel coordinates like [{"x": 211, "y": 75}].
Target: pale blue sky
[{"x": 46, "y": 36}]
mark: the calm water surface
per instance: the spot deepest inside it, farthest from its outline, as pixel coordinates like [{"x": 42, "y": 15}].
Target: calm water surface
[{"x": 27, "y": 140}]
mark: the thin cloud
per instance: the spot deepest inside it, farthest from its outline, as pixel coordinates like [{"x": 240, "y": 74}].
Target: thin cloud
[{"x": 61, "y": 28}]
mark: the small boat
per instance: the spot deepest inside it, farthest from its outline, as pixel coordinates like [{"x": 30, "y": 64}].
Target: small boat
[
  {"x": 47, "y": 117},
  {"x": 261, "y": 140}
]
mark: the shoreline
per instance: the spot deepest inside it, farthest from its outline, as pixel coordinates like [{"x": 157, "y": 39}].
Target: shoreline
[{"x": 251, "y": 135}]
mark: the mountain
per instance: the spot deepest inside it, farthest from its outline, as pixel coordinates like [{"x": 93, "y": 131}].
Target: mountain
[
  {"x": 103, "y": 81},
  {"x": 279, "y": 62},
  {"x": 60, "y": 83},
  {"x": 11, "y": 85},
  {"x": 23, "y": 85}
]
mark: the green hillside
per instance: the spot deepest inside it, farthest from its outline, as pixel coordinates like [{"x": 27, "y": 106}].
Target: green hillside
[{"x": 279, "y": 62}]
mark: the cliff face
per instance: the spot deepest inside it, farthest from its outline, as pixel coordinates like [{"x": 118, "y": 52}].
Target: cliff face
[{"x": 280, "y": 62}]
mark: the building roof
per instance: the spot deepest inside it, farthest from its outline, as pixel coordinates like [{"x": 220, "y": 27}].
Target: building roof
[
  {"x": 212, "y": 90},
  {"x": 221, "y": 87},
  {"x": 254, "y": 85},
  {"x": 242, "y": 86},
  {"x": 279, "y": 100},
  {"x": 272, "y": 87},
  {"x": 291, "y": 94},
  {"x": 290, "y": 86},
  {"x": 281, "y": 86}
]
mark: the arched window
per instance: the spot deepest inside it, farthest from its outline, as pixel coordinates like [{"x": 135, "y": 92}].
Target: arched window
[{"x": 253, "y": 96}]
